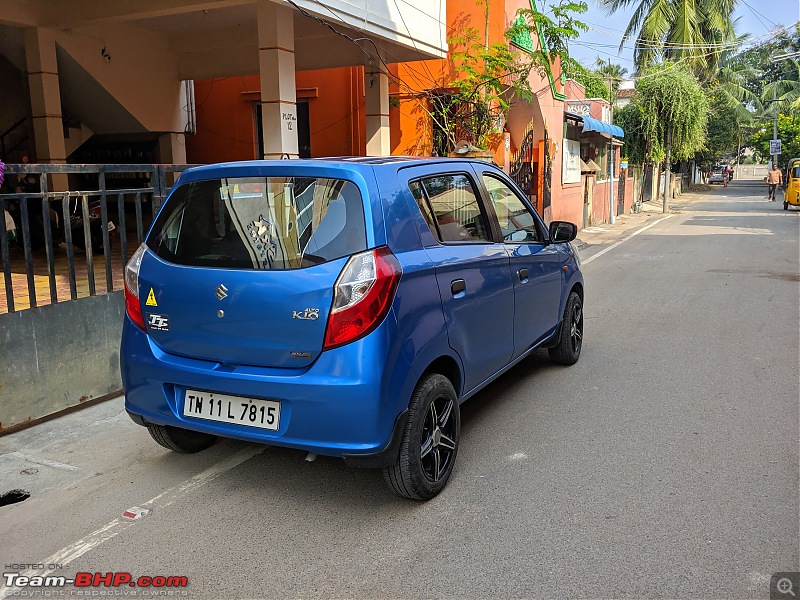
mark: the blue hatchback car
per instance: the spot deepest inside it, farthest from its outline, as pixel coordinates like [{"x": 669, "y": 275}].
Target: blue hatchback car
[{"x": 344, "y": 307}]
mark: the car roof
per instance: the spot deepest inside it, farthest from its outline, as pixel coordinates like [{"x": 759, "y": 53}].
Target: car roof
[{"x": 353, "y": 163}]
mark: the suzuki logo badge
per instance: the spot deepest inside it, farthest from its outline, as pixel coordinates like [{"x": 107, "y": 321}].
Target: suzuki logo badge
[{"x": 222, "y": 292}]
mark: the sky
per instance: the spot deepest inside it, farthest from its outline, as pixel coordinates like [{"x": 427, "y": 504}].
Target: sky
[{"x": 756, "y": 17}]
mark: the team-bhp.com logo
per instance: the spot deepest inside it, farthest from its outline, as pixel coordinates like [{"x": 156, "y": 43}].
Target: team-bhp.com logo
[{"x": 94, "y": 580}]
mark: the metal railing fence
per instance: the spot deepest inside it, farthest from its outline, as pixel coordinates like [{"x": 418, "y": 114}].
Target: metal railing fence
[{"x": 50, "y": 225}]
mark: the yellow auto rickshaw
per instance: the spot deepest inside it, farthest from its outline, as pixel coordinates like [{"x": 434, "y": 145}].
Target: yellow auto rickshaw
[{"x": 792, "y": 193}]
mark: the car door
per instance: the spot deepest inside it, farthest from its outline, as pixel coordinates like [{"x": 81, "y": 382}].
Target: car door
[
  {"x": 472, "y": 270},
  {"x": 536, "y": 265}
]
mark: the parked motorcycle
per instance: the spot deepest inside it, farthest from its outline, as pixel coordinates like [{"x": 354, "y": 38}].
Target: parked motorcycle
[{"x": 36, "y": 225}]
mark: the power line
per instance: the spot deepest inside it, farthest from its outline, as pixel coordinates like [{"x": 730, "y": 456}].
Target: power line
[
  {"x": 628, "y": 43},
  {"x": 755, "y": 14}
]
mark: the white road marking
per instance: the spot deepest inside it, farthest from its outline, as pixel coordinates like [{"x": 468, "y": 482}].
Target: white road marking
[
  {"x": 586, "y": 261},
  {"x": 109, "y": 530},
  {"x": 44, "y": 461}
]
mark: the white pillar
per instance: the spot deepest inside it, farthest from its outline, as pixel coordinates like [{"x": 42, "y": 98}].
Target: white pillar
[
  {"x": 376, "y": 86},
  {"x": 172, "y": 148},
  {"x": 278, "y": 91},
  {"x": 48, "y": 130}
]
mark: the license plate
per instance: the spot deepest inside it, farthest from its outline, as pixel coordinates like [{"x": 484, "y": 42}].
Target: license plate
[{"x": 264, "y": 414}]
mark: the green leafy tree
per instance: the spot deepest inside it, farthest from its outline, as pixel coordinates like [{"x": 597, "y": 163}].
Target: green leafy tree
[
  {"x": 674, "y": 114},
  {"x": 595, "y": 84},
  {"x": 690, "y": 32},
  {"x": 611, "y": 71},
  {"x": 723, "y": 137},
  {"x": 488, "y": 77},
  {"x": 788, "y": 133},
  {"x": 631, "y": 119},
  {"x": 786, "y": 90},
  {"x": 757, "y": 65}
]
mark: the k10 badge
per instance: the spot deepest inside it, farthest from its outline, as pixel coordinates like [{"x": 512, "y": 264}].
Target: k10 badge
[{"x": 158, "y": 322}]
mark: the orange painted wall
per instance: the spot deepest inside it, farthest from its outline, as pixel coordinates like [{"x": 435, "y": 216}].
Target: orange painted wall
[
  {"x": 410, "y": 126},
  {"x": 337, "y": 116},
  {"x": 226, "y": 126},
  {"x": 225, "y": 120}
]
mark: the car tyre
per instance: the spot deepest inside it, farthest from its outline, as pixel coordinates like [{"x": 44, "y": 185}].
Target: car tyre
[
  {"x": 785, "y": 205},
  {"x": 570, "y": 336},
  {"x": 430, "y": 441},
  {"x": 180, "y": 440}
]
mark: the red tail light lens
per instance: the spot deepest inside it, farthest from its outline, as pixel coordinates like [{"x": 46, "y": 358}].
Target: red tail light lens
[
  {"x": 132, "y": 305},
  {"x": 362, "y": 296}
]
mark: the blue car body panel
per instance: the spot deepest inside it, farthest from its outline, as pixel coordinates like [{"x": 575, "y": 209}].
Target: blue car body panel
[{"x": 345, "y": 400}]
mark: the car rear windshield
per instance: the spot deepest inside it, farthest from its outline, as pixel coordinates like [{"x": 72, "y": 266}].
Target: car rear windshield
[{"x": 267, "y": 223}]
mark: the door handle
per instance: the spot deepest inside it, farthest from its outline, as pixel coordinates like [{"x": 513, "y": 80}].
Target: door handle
[
  {"x": 457, "y": 286},
  {"x": 523, "y": 275}
]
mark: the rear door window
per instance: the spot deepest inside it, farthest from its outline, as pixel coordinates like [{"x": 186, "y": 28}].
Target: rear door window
[
  {"x": 451, "y": 208},
  {"x": 265, "y": 223}
]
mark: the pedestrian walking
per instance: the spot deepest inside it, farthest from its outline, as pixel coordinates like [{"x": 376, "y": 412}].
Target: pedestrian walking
[
  {"x": 725, "y": 177},
  {"x": 774, "y": 179}
]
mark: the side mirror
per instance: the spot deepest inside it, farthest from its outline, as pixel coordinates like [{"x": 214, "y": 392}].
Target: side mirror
[{"x": 562, "y": 232}]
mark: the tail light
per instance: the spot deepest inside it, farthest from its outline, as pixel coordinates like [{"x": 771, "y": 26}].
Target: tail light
[
  {"x": 132, "y": 305},
  {"x": 362, "y": 296}
]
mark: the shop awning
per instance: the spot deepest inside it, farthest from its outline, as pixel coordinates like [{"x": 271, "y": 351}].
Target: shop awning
[{"x": 590, "y": 124}]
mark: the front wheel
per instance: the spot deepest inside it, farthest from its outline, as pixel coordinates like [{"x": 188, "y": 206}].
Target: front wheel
[
  {"x": 570, "y": 337},
  {"x": 430, "y": 441},
  {"x": 785, "y": 205}
]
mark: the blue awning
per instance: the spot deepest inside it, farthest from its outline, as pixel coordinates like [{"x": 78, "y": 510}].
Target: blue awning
[{"x": 590, "y": 124}]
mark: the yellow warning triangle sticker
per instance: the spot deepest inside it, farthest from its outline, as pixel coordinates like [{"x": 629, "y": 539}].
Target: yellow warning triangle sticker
[{"x": 151, "y": 299}]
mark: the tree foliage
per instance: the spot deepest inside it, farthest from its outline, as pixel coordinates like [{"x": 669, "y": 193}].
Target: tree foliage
[
  {"x": 690, "y": 32},
  {"x": 788, "y": 133},
  {"x": 631, "y": 119},
  {"x": 488, "y": 77},
  {"x": 609, "y": 70},
  {"x": 724, "y": 132},
  {"x": 670, "y": 100},
  {"x": 758, "y": 67},
  {"x": 594, "y": 82}
]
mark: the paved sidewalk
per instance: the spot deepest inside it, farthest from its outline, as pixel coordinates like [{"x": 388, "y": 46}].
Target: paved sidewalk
[{"x": 603, "y": 234}]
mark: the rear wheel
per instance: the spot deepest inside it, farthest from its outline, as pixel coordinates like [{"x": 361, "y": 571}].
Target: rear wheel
[
  {"x": 430, "y": 441},
  {"x": 570, "y": 338},
  {"x": 785, "y": 205},
  {"x": 180, "y": 440}
]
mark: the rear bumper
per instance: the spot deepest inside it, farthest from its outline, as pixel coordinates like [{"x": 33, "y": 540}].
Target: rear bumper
[{"x": 338, "y": 406}]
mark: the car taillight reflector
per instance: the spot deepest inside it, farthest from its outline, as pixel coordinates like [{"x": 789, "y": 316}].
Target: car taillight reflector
[
  {"x": 132, "y": 305},
  {"x": 362, "y": 296}
]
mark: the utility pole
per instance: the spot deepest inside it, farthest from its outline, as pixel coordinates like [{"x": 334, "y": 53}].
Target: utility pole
[
  {"x": 611, "y": 217},
  {"x": 774, "y": 59},
  {"x": 667, "y": 170},
  {"x": 775, "y": 120}
]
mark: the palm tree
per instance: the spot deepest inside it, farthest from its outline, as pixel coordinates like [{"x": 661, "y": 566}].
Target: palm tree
[
  {"x": 692, "y": 32},
  {"x": 786, "y": 90},
  {"x": 609, "y": 70}
]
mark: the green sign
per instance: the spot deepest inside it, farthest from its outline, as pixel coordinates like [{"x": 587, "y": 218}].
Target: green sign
[{"x": 522, "y": 38}]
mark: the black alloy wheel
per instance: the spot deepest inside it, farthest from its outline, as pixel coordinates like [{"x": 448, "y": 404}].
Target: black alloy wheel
[
  {"x": 438, "y": 447},
  {"x": 570, "y": 340},
  {"x": 430, "y": 440}
]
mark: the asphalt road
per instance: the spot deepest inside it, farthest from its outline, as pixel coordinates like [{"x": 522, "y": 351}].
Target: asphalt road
[{"x": 663, "y": 465}]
